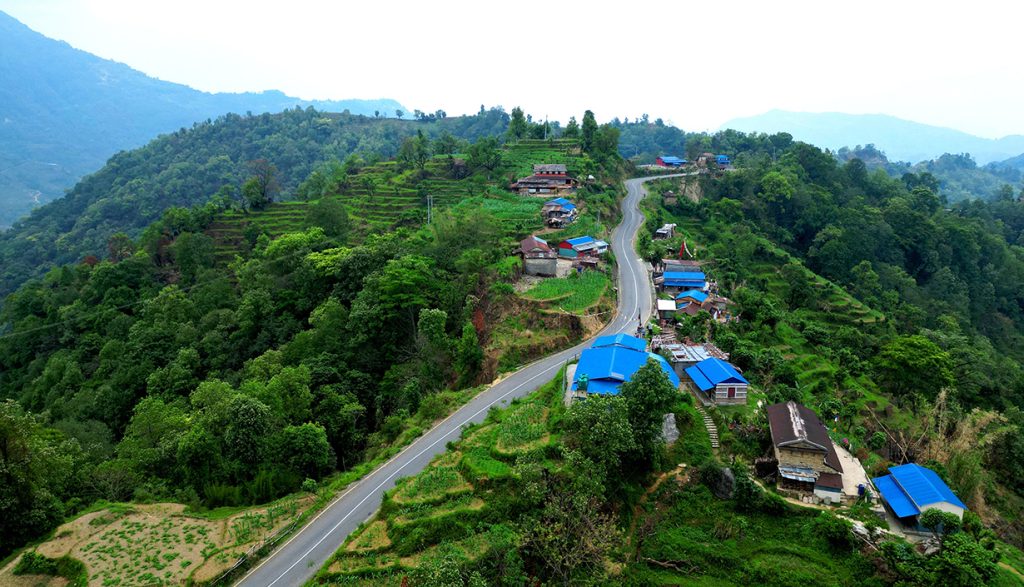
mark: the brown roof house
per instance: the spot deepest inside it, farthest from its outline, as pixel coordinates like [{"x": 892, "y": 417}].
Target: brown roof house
[
  {"x": 546, "y": 179},
  {"x": 538, "y": 257},
  {"x": 807, "y": 458}
]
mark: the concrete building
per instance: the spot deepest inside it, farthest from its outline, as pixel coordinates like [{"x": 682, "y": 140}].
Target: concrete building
[
  {"x": 612, "y": 361},
  {"x": 538, "y": 257}
]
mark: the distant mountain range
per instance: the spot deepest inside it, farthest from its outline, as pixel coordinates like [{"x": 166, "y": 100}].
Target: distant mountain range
[
  {"x": 64, "y": 112},
  {"x": 901, "y": 140}
]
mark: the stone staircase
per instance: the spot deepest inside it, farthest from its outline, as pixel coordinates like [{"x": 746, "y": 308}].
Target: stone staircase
[{"x": 710, "y": 425}]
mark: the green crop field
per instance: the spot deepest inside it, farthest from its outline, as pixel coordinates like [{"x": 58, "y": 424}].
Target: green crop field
[{"x": 575, "y": 293}]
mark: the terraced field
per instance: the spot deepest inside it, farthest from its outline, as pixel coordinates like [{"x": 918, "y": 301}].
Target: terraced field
[
  {"x": 382, "y": 196},
  {"x": 443, "y": 512}
]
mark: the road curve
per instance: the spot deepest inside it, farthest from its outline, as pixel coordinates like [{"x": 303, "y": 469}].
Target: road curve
[{"x": 298, "y": 559}]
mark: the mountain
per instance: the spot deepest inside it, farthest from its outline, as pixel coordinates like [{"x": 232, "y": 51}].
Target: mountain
[
  {"x": 64, "y": 112},
  {"x": 189, "y": 166},
  {"x": 901, "y": 140},
  {"x": 1012, "y": 163}
]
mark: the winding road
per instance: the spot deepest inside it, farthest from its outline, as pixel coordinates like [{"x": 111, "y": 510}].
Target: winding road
[{"x": 298, "y": 559}]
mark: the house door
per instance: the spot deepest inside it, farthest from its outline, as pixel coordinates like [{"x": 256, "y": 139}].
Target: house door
[{"x": 732, "y": 392}]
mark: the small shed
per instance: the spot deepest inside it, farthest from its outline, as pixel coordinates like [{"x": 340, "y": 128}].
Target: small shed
[
  {"x": 665, "y": 232},
  {"x": 719, "y": 381}
]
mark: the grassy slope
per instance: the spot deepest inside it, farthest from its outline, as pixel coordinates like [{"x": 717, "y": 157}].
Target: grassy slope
[{"x": 456, "y": 499}]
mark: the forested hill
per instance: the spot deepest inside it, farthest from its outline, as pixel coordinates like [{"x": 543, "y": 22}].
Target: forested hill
[
  {"x": 65, "y": 111},
  {"x": 190, "y": 166}
]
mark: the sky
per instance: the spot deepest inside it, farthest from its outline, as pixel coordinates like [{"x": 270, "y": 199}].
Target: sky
[{"x": 694, "y": 64}]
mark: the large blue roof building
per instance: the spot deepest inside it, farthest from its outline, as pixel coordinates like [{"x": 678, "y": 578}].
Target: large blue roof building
[
  {"x": 683, "y": 280},
  {"x": 612, "y": 361},
  {"x": 908, "y": 490}
]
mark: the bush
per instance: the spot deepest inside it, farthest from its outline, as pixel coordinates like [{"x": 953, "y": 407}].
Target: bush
[
  {"x": 71, "y": 569},
  {"x": 309, "y": 485},
  {"x": 835, "y": 530}
]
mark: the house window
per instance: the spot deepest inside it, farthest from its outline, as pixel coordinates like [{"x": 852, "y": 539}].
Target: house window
[{"x": 732, "y": 392}]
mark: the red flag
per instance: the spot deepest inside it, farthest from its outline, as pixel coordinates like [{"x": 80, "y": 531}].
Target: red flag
[{"x": 682, "y": 249}]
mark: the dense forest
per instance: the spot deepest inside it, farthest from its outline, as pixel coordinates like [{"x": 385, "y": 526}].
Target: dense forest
[
  {"x": 191, "y": 166},
  {"x": 160, "y": 372}
]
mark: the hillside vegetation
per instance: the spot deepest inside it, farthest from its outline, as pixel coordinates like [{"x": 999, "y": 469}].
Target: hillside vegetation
[
  {"x": 67, "y": 111},
  {"x": 189, "y": 366}
]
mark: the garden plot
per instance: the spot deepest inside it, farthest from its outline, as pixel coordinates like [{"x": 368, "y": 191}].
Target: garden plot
[
  {"x": 434, "y": 484},
  {"x": 522, "y": 430},
  {"x": 159, "y": 544}
]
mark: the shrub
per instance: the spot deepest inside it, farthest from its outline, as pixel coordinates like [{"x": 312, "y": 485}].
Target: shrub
[
  {"x": 71, "y": 569},
  {"x": 835, "y": 530}
]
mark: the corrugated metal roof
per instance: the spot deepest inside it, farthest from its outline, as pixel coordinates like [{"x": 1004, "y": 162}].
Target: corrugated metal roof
[
  {"x": 666, "y": 305},
  {"x": 672, "y": 159},
  {"x": 691, "y": 275},
  {"x": 923, "y": 486},
  {"x": 894, "y": 496},
  {"x": 609, "y": 367},
  {"x": 792, "y": 423},
  {"x": 718, "y": 371},
  {"x": 580, "y": 240},
  {"x": 622, "y": 340},
  {"x": 699, "y": 379},
  {"x": 694, "y": 294},
  {"x": 558, "y": 201}
]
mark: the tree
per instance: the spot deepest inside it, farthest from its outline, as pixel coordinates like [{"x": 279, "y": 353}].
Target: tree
[
  {"x": 468, "y": 354},
  {"x": 119, "y": 247},
  {"x": 914, "y": 365},
  {"x": 484, "y": 154},
  {"x": 262, "y": 186},
  {"x": 600, "y": 429},
  {"x": 517, "y": 125},
  {"x": 305, "y": 450},
  {"x": 332, "y": 216},
  {"x": 939, "y": 522},
  {"x": 446, "y": 144},
  {"x": 964, "y": 562},
  {"x": 572, "y": 129},
  {"x": 589, "y": 131},
  {"x": 35, "y": 469},
  {"x": 399, "y": 114},
  {"x": 649, "y": 394}
]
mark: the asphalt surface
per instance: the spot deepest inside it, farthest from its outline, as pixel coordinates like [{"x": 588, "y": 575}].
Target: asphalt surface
[{"x": 298, "y": 559}]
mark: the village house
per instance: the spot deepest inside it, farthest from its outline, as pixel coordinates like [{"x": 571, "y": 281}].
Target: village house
[
  {"x": 684, "y": 355},
  {"x": 807, "y": 459},
  {"x": 910, "y": 490},
  {"x": 546, "y": 179},
  {"x": 538, "y": 257},
  {"x": 677, "y": 265},
  {"x": 718, "y": 381},
  {"x": 611, "y": 361},
  {"x": 582, "y": 245},
  {"x": 559, "y": 212},
  {"x": 669, "y": 161},
  {"x": 678, "y": 281},
  {"x": 665, "y": 232},
  {"x": 666, "y": 308}
]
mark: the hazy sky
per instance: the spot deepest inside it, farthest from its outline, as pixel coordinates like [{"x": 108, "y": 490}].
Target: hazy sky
[{"x": 695, "y": 64}]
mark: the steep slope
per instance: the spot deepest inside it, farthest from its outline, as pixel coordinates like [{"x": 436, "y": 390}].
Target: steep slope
[
  {"x": 901, "y": 140},
  {"x": 189, "y": 166},
  {"x": 63, "y": 112}
]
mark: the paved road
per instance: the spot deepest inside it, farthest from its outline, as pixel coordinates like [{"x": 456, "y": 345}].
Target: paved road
[{"x": 299, "y": 558}]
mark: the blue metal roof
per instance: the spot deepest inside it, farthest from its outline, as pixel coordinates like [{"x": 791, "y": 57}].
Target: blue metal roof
[
  {"x": 721, "y": 158},
  {"x": 691, "y": 275},
  {"x": 580, "y": 240},
  {"x": 694, "y": 294},
  {"x": 672, "y": 159},
  {"x": 894, "y": 496},
  {"x": 559, "y": 201},
  {"x": 686, "y": 283},
  {"x": 607, "y": 368},
  {"x": 910, "y": 488},
  {"x": 923, "y": 485},
  {"x": 622, "y": 340},
  {"x": 711, "y": 372}
]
